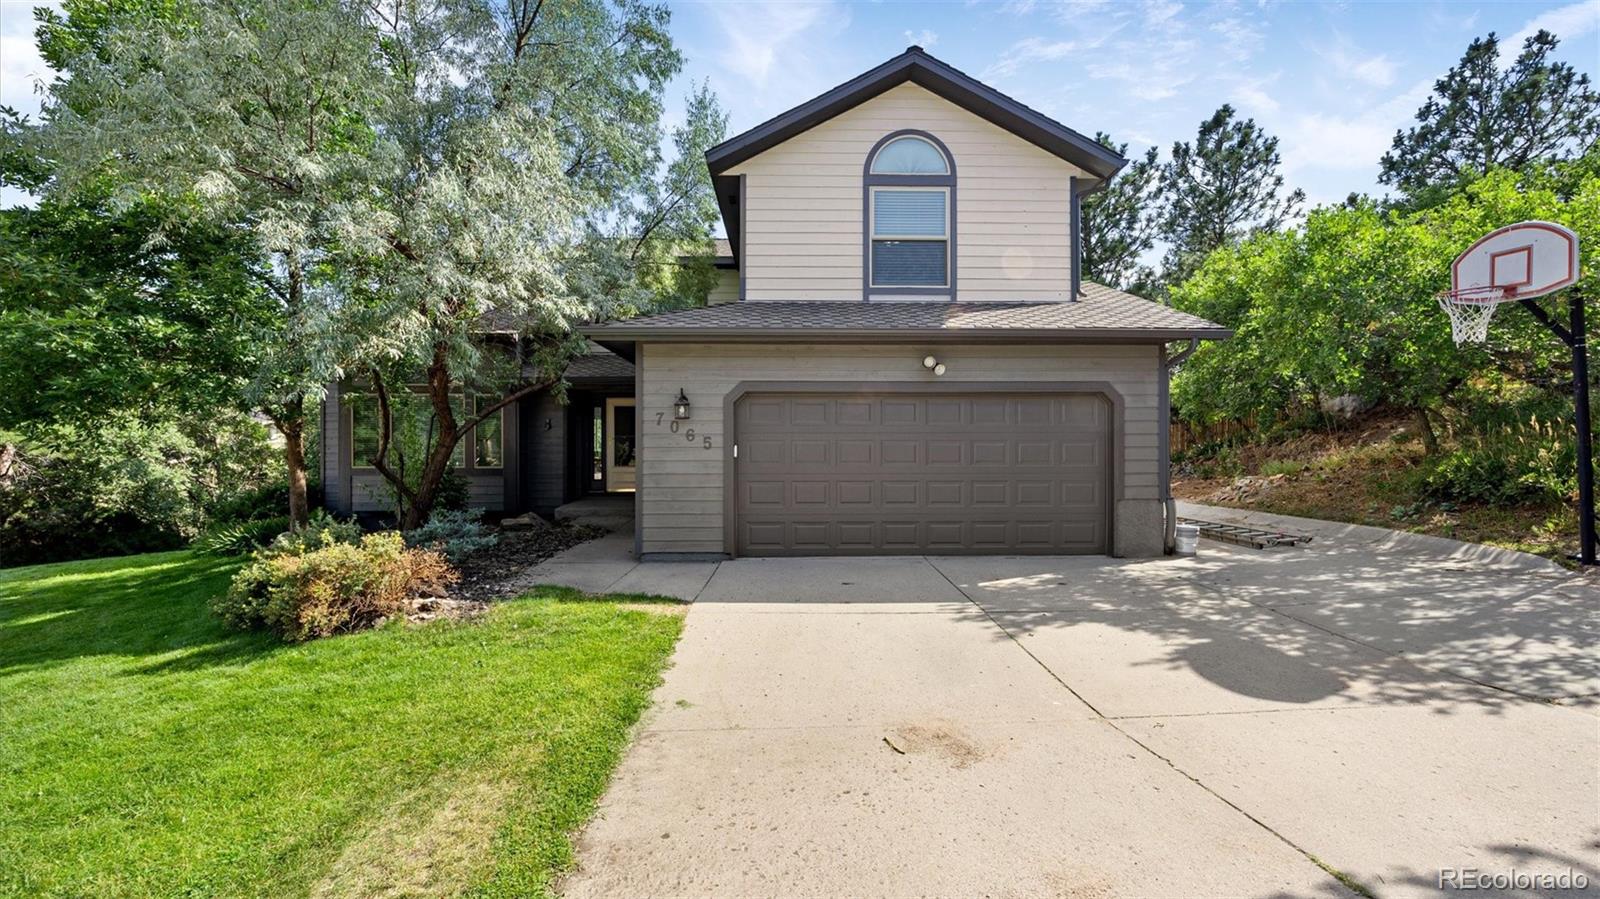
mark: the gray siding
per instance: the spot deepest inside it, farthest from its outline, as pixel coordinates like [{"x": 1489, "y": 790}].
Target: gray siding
[
  {"x": 682, "y": 508},
  {"x": 330, "y": 447},
  {"x": 543, "y": 456}
]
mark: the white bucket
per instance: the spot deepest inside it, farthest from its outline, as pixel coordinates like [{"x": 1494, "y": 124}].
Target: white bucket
[{"x": 1188, "y": 539}]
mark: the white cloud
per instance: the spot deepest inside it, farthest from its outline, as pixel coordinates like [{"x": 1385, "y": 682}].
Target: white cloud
[
  {"x": 924, "y": 39},
  {"x": 1160, "y": 13},
  {"x": 1028, "y": 50},
  {"x": 1319, "y": 140},
  {"x": 1565, "y": 22},
  {"x": 22, "y": 69},
  {"x": 1372, "y": 71},
  {"x": 1252, "y": 97},
  {"x": 755, "y": 34}
]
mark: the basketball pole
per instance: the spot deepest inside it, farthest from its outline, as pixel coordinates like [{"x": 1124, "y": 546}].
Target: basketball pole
[{"x": 1576, "y": 337}]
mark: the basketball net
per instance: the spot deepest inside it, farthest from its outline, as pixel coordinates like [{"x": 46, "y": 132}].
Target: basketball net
[{"x": 1470, "y": 309}]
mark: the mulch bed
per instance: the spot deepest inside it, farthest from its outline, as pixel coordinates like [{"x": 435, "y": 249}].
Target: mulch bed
[{"x": 492, "y": 573}]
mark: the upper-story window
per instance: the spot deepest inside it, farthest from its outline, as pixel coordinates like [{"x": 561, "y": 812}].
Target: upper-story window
[{"x": 910, "y": 190}]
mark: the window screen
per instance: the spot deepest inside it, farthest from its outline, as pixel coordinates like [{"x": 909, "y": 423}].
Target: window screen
[{"x": 909, "y": 245}]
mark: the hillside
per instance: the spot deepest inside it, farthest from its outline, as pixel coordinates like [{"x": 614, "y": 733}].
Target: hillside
[{"x": 1367, "y": 472}]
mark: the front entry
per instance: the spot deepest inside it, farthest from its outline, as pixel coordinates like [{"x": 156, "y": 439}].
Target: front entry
[
  {"x": 620, "y": 450},
  {"x": 922, "y": 473}
]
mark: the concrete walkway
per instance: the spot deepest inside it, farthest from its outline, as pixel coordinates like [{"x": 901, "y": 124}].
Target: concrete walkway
[{"x": 1244, "y": 723}]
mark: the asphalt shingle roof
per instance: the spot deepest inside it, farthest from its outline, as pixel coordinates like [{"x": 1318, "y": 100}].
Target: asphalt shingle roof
[
  {"x": 1100, "y": 311},
  {"x": 599, "y": 364}
]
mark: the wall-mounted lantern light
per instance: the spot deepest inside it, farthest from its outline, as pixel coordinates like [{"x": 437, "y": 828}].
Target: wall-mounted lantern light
[
  {"x": 680, "y": 406},
  {"x": 933, "y": 365}
]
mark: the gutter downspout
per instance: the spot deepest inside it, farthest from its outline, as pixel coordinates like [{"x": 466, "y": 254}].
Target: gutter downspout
[
  {"x": 1170, "y": 540},
  {"x": 1075, "y": 224}
]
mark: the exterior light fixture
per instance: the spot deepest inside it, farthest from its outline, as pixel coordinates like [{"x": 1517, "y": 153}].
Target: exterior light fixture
[
  {"x": 938, "y": 369},
  {"x": 680, "y": 406},
  {"x": 929, "y": 362}
]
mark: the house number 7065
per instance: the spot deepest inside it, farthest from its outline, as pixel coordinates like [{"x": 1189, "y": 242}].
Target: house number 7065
[{"x": 688, "y": 433}]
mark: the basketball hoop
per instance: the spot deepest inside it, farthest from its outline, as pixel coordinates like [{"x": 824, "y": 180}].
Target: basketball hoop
[
  {"x": 1470, "y": 310},
  {"x": 1517, "y": 262},
  {"x": 1522, "y": 262}
]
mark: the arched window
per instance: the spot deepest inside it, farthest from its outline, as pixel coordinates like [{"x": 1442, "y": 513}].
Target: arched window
[
  {"x": 909, "y": 201},
  {"x": 909, "y": 156}
]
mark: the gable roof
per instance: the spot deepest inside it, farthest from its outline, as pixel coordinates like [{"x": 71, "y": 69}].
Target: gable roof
[
  {"x": 918, "y": 67},
  {"x": 1101, "y": 314}
]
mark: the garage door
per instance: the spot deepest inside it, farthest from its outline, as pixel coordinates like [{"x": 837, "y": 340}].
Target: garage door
[{"x": 921, "y": 473}]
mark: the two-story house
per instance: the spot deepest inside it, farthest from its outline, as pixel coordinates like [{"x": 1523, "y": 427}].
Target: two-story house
[{"x": 901, "y": 356}]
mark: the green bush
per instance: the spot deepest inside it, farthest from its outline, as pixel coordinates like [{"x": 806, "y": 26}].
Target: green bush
[
  {"x": 259, "y": 503},
  {"x": 332, "y": 589},
  {"x": 123, "y": 485},
  {"x": 457, "y": 534},
  {"x": 240, "y": 537},
  {"x": 322, "y": 530}
]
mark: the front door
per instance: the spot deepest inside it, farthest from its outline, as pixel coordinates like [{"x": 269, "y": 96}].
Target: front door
[{"x": 621, "y": 461}]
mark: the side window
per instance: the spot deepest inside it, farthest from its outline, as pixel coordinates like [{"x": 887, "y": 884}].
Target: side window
[
  {"x": 414, "y": 430},
  {"x": 487, "y": 451},
  {"x": 909, "y": 194}
]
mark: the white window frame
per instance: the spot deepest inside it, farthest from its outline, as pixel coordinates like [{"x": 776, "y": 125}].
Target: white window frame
[{"x": 874, "y": 236}]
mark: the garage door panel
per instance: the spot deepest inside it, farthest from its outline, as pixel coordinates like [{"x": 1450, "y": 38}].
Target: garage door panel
[
  {"x": 810, "y": 493},
  {"x": 946, "y": 412},
  {"x": 899, "y": 474},
  {"x": 989, "y": 452},
  {"x": 900, "y": 452},
  {"x": 898, "y": 413},
  {"x": 855, "y": 493},
  {"x": 1035, "y": 452}
]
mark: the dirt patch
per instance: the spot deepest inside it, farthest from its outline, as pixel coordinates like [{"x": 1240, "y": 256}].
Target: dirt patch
[
  {"x": 434, "y": 608},
  {"x": 494, "y": 572},
  {"x": 658, "y": 608},
  {"x": 939, "y": 739},
  {"x": 1365, "y": 474},
  {"x": 430, "y": 843}
]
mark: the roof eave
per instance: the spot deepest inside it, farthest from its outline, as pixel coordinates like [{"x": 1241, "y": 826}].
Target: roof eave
[
  {"x": 605, "y": 335},
  {"x": 918, "y": 67}
]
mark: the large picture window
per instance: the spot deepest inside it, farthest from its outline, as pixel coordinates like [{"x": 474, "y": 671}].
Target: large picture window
[
  {"x": 415, "y": 428},
  {"x": 909, "y": 199}
]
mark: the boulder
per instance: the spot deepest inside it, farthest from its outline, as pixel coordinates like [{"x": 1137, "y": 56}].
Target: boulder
[{"x": 526, "y": 522}]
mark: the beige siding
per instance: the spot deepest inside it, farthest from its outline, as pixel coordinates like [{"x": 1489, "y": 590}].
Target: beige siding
[
  {"x": 802, "y": 209},
  {"x": 726, "y": 288},
  {"x": 682, "y": 494}
]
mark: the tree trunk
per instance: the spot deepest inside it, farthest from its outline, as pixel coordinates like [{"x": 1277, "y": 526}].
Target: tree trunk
[
  {"x": 1430, "y": 440},
  {"x": 294, "y": 457}
]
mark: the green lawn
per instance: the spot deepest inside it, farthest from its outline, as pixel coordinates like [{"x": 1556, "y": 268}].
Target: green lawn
[{"x": 146, "y": 751}]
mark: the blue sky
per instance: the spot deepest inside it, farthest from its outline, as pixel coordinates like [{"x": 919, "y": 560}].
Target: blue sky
[{"x": 1333, "y": 80}]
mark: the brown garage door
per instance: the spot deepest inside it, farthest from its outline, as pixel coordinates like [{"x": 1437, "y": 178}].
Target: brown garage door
[{"x": 821, "y": 474}]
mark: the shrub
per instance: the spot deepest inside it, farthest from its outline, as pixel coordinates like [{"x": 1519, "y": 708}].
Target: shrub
[
  {"x": 321, "y": 531},
  {"x": 257, "y": 503},
  {"x": 337, "y": 588},
  {"x": 241, "y": 537},
  {"x": 456, "y": 534}
]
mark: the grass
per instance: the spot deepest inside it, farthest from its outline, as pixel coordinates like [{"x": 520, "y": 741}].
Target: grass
[
  {"x": 146, "y": 751},
  {"x": 1370, "y": 475}
]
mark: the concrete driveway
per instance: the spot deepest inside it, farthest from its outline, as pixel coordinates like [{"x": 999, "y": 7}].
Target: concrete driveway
[{"x": 1366, "y": 711}]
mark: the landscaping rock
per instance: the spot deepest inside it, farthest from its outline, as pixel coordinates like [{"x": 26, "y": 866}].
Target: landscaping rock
[
  {"x": 529, "y": 521},
  {"x": 494, "y": 572}
]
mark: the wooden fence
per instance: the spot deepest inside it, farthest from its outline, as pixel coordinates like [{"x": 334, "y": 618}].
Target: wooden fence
[{"x": 1184, "y": 435}]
